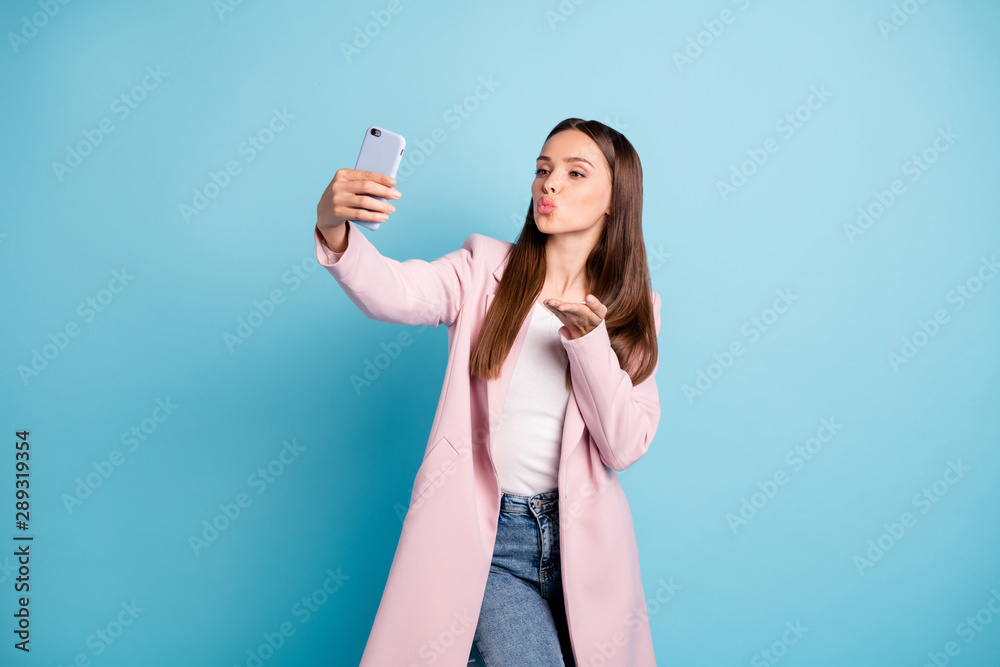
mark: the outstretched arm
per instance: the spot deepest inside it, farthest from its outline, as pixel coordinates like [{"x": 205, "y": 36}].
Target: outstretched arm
[{"x": 413, "y": 291}]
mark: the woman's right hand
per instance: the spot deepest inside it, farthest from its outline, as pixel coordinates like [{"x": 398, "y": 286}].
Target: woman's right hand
[{"x": 345, "y": 198}]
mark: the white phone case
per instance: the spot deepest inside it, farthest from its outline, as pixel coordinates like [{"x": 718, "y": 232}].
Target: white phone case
[{"x": 381, "y": 152}]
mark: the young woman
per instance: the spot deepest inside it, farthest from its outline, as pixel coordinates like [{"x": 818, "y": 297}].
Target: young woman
[{"x": 518, "y": 543}]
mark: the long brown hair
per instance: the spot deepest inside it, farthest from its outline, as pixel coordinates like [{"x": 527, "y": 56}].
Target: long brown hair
[{"x": 617, "y": 271}]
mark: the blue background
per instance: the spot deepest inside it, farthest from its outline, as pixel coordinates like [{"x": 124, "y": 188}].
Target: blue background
[{"x": 717, "y": 259}]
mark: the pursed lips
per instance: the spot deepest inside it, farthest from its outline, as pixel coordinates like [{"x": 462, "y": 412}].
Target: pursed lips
[{"x": 545, "y": 204}]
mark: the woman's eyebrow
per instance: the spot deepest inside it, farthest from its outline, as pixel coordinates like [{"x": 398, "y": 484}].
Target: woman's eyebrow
[{"x": 567, "y": 159}]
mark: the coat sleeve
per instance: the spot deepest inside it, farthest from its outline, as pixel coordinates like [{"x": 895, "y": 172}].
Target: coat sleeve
[
  {"x": 621, "y": 418},
  {"x": 413, "y": 291}
]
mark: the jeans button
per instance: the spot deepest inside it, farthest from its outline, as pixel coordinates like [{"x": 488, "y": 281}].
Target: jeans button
[{"x": 538, "y": 503}]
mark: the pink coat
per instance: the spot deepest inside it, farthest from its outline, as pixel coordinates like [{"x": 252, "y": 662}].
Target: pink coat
[{"x": 434, "y": 591}]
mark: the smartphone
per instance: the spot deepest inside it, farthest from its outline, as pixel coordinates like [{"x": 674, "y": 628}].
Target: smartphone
[{"x": 381, "y": 152}]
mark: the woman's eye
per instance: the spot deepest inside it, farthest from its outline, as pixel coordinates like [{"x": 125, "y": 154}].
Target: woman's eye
[{"x": 540, "y": 170}]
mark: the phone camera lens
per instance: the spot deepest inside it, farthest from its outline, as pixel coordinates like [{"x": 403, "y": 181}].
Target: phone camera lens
[{"x": 377, "y": 133}]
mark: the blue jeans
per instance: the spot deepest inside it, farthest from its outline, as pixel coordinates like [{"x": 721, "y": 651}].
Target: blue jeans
[{"x": 522, "y": 620}]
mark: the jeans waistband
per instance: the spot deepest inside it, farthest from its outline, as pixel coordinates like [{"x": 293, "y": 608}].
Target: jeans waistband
[{"x": 539, "y": 503}]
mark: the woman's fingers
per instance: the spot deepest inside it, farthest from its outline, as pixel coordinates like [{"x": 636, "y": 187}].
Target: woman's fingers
[
  {"x": 599, "y": 308},
  {"x": 370, "y": 203},
  {"x": 370, "y": 182},
  {"x": 364, "y": 214}
]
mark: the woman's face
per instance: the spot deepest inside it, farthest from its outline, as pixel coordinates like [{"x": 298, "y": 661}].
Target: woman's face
[{"x": 572, "y": 174}]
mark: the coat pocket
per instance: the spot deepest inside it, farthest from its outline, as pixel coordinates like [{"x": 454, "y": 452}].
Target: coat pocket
[{"x": 437, "y": 463}]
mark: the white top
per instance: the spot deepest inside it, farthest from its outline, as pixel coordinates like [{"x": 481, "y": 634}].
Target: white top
[{"x": 526, "y": 446}]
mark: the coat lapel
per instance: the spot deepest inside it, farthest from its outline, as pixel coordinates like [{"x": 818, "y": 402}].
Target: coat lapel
[{"x": 496, "y": 390}]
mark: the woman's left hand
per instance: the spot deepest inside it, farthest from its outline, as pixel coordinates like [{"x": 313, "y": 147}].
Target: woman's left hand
[{"x": 580, "y": 318}]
